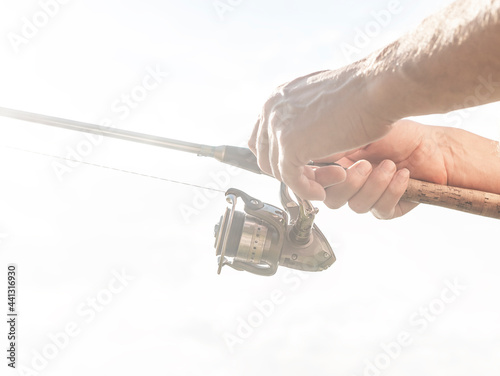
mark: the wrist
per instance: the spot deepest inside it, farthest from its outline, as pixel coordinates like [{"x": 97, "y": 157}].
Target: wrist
[
  {"x": 391, "y": 92},
  {"x": 471, "y": 161}
]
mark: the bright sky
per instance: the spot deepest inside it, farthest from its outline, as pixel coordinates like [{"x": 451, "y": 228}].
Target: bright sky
[{"x": 125, "y": 265}]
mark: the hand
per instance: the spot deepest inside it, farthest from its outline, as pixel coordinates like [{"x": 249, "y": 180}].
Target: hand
[
  {"x": 313, "y": 117},
  {"x": 378, "y": 174},
  {"x": 329, "y": 112}
]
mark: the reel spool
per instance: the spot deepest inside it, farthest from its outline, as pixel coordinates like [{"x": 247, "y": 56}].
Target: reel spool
[{"x": 265, "y": 236}]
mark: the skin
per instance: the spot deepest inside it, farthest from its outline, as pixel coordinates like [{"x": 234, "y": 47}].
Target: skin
[
  {"x": 377, "y": 174},
  {"x": 450, "y": 61}
]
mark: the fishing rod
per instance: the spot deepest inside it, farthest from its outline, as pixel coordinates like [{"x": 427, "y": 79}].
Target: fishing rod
[
  {"x": 263, "y": 236},
  {"x": 233, "y": 155}
]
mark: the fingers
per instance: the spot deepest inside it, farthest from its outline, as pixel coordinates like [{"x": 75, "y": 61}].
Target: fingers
[
  {"x": 302, "y": 181},
  {"x": 271, "y": 159},
  {"x": 385, "y": 207},
  {"x": 376, "y": 189},
  {"x": 252, "y": 141},
  {"x": 338, "y": 195},
  {"x": 259, "y": 145},
  {"x": 329, "y": 175},
  {"x": 402, "y": 208},
  {"x": 273, "y": 156}
]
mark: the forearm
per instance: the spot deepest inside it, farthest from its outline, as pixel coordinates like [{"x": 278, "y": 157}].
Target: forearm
[
  {"x": 471, "y": 161},
  {"x": 451, "y": 61}
]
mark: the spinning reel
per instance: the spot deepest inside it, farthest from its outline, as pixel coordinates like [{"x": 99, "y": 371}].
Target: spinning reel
[{"x": 265, "y": 236}]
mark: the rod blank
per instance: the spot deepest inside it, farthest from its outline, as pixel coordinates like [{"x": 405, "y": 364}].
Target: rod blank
[
  {"x": 233, "y": 155},
  {"x": 205, "y": 150}
]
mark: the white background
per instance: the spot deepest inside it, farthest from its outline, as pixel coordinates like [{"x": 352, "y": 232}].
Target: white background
[{"x": 70, "y": 235}]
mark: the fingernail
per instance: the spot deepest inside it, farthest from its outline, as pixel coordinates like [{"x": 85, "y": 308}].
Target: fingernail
[
  {"x": 388, "y": 166},
  {"x": 403, "y": 175},
  {"x": 364, "y": 168}
]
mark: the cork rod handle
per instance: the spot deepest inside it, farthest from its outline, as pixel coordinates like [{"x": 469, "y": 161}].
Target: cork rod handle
[{"x": 466, "y": 200}]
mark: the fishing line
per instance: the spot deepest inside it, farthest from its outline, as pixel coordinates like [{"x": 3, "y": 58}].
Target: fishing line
[{"x": 111, "y": 168}]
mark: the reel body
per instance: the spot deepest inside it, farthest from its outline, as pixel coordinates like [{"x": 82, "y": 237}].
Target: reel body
[{"x": 264, "y": 236}]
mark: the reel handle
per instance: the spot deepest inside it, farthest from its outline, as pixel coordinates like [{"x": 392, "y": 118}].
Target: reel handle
[{"x": 462, "y": 199}]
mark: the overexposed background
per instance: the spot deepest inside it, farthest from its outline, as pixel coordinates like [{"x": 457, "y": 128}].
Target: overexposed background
[{"x": 71, "y": 228}]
